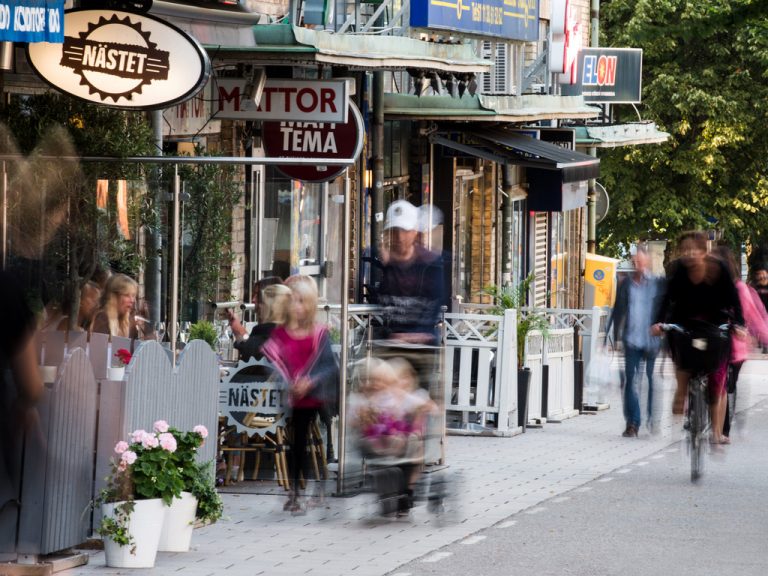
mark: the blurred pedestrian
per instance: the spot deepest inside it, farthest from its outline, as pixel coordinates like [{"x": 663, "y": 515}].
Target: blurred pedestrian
[
  {"x": 760, "y": 284},
  {"x": 699, "y": 290},
  {"x": 755, "y": 321},
  {"x": 637, "y": 302},
  {"x": 411, "y": 289},
  {"x": 20, "y": 394},
  {"x": 300, "y": 351}
]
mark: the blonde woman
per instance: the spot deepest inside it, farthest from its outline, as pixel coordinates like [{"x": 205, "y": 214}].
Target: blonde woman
[
  {"x": 116, "y": 314},
  {"x": 271, "y": 310},
  {"x": 301, "y": 352}
]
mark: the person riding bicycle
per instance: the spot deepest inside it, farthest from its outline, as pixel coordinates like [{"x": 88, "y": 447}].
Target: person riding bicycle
[{"x": 699, "y": 289}]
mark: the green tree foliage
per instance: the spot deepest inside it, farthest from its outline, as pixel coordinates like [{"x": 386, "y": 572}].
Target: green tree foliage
[
  {"x": 705, "y": 81},
  {"x": 213, "y": 192}
]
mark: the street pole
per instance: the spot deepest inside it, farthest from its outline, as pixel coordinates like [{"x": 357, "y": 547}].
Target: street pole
[
  {"x": 173, "y": 328},
  {"x": 377, "y": 223},
  {"x": 344, "y": 331},
  {"x": 594, "y": 42},
  {"x": 153, "y": 277}
]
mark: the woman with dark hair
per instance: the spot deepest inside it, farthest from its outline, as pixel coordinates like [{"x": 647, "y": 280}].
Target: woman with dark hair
[{"x": 700, "y": 289}]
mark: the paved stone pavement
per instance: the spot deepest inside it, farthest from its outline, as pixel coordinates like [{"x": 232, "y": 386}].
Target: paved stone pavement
[{"x": 499, "y": 478}]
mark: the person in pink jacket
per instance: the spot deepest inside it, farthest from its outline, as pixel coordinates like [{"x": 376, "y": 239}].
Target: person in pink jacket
[{"x": 756, "y": 321}]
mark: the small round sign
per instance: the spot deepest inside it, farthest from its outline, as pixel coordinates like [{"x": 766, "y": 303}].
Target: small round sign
[
  {"x": 598, "y": 275},
  {"x": 320, "y": 140}
]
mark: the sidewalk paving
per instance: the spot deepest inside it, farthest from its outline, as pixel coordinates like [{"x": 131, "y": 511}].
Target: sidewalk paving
[{"x": 500, "y": 477}]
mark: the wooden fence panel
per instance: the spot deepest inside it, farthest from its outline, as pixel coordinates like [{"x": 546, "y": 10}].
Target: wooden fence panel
[{"x": 59, "y": 463}]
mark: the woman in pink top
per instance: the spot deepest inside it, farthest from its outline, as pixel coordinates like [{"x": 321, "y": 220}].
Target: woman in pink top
[
  {"x": 755, "y": 321},
  {"x": 301, "y": 352}
]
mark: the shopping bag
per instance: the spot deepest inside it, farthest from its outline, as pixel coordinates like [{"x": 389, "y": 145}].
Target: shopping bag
[{"x": 601, "y": 373}]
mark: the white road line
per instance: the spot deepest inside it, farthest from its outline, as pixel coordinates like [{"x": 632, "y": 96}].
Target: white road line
[
  {"x": 657, "y": 456},
  {"x": 507, "y": 524},
  {"x": 624, "y": 471},
  {"x": 473, "y": 539},
  {"x": 437, "y": 556},
  {"x": 561, "y": 499},
  {"x": 583, "y": 489},
  {"x": 608, "y": 479},
  {"x": 535, "y": 510},
  {"x": 642, "y": 463}
]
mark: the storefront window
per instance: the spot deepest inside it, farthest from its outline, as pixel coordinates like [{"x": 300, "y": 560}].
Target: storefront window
[{"x": 292, "y": 213}]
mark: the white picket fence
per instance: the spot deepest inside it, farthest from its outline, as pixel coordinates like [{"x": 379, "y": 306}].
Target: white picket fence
[
  {"x": 556, "y": 353},
  {"x": 480, "y": 367}
]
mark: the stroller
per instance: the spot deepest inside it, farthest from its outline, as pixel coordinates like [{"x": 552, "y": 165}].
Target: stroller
[
  {"x": 399, "y": 482},
  {"x": 393, "y": 418}
]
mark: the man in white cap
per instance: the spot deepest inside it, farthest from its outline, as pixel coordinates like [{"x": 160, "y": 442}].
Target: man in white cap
[{"x": 411, "y": 288}]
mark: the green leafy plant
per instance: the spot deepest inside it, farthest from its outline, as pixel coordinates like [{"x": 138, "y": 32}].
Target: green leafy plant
[
  {"x": 210, "y": 507},
  {"x": 213, "y": 191},
  {"x": 116, "y": 528},
  {"x": 510, "y": 297},
  {"x": 146, "y": 469},
  {"x": 197, "y": 477},
  {"x": 204, "y": 330}
]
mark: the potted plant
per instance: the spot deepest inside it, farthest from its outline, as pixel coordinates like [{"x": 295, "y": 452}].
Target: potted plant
[
  {"x": 143, "y": 482},
  {"x": 180, "y": 519},
  {"x": 122, "y": 359},
  {"x": 204, "y": 330},
  {"x": 209, "y": 504},
  {"x": 515, "y": 297}
]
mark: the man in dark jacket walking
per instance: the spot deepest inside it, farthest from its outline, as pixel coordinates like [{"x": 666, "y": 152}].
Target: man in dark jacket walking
[{"x": 637, "y": 301}]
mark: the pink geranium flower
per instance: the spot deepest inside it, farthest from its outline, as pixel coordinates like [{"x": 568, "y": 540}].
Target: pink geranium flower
[
  {"x": 129, "y": 457},
  {"x": 161, "y": 426},
  {"x": 121, "y": 446},
  {"x": 202, "y": 430},
  {"x": 138, "y": 435},
  {"x": 149, "y": 440},
  {"x": 167, "y": 442}
]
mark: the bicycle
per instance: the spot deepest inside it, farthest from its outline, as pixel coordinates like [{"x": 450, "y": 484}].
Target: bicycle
[{"x": 699, "y": 350}]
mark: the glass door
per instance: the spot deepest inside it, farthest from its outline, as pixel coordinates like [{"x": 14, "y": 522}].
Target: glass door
[{"x": 466, "y": 187}]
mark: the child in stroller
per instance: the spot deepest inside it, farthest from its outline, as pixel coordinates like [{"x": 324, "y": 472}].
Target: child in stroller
[{"x": 390, "y": 415}]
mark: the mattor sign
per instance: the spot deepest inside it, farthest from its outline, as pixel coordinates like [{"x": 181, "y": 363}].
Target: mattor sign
[
  {"x": 123, "y": 60},
  {"x": 297, "y": 100},
  {"x": 320, "y": 140}
]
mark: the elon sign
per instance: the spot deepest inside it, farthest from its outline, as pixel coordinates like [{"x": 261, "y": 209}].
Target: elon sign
[{"x": 122, "y": 60}]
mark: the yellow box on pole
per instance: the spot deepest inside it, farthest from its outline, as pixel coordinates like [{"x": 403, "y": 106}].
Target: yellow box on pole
[{"x": 599, "y": 280}]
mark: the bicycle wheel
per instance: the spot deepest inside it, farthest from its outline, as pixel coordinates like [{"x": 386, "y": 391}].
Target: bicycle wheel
[{"x": 697, "y": 413}]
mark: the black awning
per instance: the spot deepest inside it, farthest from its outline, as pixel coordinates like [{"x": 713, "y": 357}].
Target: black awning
[{"x": 499, "y": 145}]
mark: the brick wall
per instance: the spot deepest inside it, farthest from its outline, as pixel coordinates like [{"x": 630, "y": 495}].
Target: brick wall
[{"x": 233, "y": 271}]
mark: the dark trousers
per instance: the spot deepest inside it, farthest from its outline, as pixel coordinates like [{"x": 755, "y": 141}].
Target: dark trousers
[
  {"x": 730, "y": 411},
  {"x": 633, "y": 358},
  {"x": 301, "y": 420}
]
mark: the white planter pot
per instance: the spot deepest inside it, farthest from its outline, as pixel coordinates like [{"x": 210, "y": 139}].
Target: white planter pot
[
  {"x": 145, "y": 524},
  {"x": 115, "y": 372},
  {"x": 48, "y": 373},
  {"x": 179, "y": 522}
]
